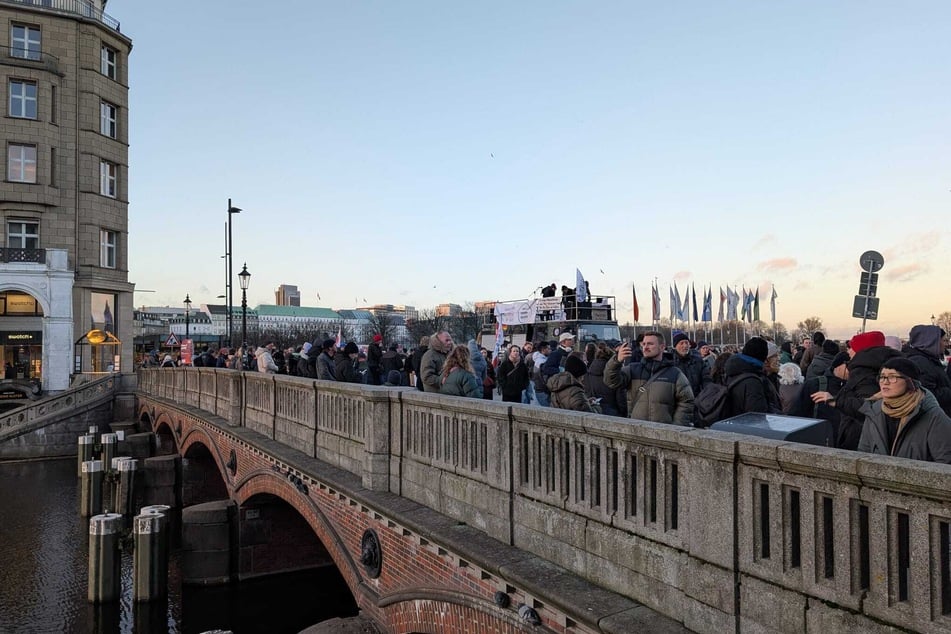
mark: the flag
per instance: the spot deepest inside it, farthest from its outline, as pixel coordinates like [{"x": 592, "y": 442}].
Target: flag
[
  {"x": 693, "y": 300},
  {"x": 581, "y": 288},
  {"x": 772, "y": 304},
  {"x": 745, "y": 305},
  {"x": 637, "y": 310},
  {"x": 674, "y": 302},
  {"x": 707, "y": 305},
  {"x": 732, "y": 299},
  {"x": 681, "y": 306},
  {"x": 722, "y": 300},
  {"x": 756, "y": 306},
  {"x": 339, "y": 339},
  {"x": 655, "y": 302},
  {"x": 499, "y": 338}
]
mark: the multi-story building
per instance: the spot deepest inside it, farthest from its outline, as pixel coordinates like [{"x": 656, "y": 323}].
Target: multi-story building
[
  {"x": 65, "y": 298},
  {"x": 287, "y": 295}
]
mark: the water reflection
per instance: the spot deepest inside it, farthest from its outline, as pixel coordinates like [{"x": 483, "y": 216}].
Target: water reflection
[{"x": 43, "y": 574}]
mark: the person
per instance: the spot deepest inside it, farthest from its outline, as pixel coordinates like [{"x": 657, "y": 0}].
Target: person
[
  {"x": 237, "y": 360},
  {"x": 785, "y": 353},
  {"x": 556, "y": 360},
  {"x": 416, "y": 360},
  {"x": 488, "y": 383},
  {"x": 754, "y": 392},
  {"x": 903, "y": 419},
  {"x": 265, "y": 361},
  {"x": 925, "y": 349},
  {"x": 613, "y": 401},
  {"x": 512, "y": 376},
  {"x": 166, "y": 363},
  {"x": 823, "y": 360},
  {"x": 690, "y": 363},
  {"x": 656, "y": 390},
  {"x": 347, "y": 365},
  {"x": 790, "y": 386},
  {"x": 325, "y": 367},
  {"x": 813, "y": 349},
  {"x": 567, "y": 388},
  {"x": 706, "y": 354},
  {"x": 391, "y": 360},
  {"x": 478, "y": 362},
  {"x": 549, "y": 291},
  {"x": 718, "y": 373},
  {"x": 223, "y": 355},
  {"x": 374, "y": 358},
  {"x": 539, "y": 357},
  {"x": 528, "y": 358},
  {"x": 430, "y": 366},
  {"x": 393, "y": 379},
  {"x": 868, "y": 353},
  {"x": 832, "y": 381},
  {"x": 305, "y": 364},
  {"x": 456, "y": 377}
]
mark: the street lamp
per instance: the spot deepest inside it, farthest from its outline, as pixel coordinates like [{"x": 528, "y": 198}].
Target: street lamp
[
  {"x": 228, "y": 291},
  {"x": 188, "y": 309},
  {"x": 244, "y": 278}
]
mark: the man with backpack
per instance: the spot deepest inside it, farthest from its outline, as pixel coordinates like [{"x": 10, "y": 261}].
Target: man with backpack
[{"x": 656, "y": 390}]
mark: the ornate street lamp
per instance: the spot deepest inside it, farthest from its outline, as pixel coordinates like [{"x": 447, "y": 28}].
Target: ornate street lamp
[
  {"x": 188, "y": 309},
  {"x": 244, "y": 278}
]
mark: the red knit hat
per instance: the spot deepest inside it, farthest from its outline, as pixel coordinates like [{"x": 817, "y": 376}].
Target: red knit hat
[
  {"x": 865, "y": 340},
  {"x": 378, "y": 338}
]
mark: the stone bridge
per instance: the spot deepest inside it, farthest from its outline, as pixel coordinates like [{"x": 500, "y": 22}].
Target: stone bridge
[{"x": 598, "y": 524}]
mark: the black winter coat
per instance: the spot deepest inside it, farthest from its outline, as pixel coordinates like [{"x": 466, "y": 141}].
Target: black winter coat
[
  {"x": 696, "y": 371},
  {"x": 512, "y": 379},
  {"x": 613, "y": 402},
  {"x": 862, "y": 383},
  {"x": 933, "y": 376},
  {"x": 753, "y": 394}
]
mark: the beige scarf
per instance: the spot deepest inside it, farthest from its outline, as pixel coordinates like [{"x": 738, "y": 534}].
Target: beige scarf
[{"x": 901, "y": 408}]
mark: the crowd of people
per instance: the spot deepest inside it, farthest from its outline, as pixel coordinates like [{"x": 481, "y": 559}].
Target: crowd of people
[{"x": 879, "y": 395}]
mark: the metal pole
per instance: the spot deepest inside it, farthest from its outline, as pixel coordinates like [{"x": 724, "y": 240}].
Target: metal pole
[
  {"x": 244, "y": 319},
  {"x": 229, "y": 293},
  {"x": 869, "y": 264}
]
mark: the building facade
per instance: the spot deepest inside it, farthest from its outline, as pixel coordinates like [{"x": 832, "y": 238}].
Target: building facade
[
  {"x": 64, "y": 195},
  {"x": 287, "y": 295}
]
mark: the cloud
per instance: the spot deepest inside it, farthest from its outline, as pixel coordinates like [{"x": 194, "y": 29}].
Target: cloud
[
  {"x": 680, "y": 276},
  {"x": 204, "y": 289},
  {"x": 803, "y": 285},
  {"x": 914, "y": 244},
  {"x": 777, "y": 264},
  {"x": 765, "y": 241},
  {"x": 906, "y": 273}
]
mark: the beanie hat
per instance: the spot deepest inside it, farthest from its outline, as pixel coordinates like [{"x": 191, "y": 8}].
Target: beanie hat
[
  {"x": 393, "y": 377},
  {"x": 306, "y": 347},
  {"x": 702, "y": 343},
  {"x": 865, "y": 340},
  {"x": 818, "y": 338},
  {"x": 893, "y": 342},
  {"x": 351, "y": 348},
  {"x": 680, "y": 337},
  {"x": 786, "y": 347},
  {"x": 903, "y": 366},
  {"x": 327, "y": 344},
  {"x": 772, "y": 350},
  {"x": 830, "y": 346},
  {"x": 575, "y": 367},
  {"x": 839, "y": 359},
  {"x": 756, "y": 348},
  {"x": 377, "y": 338}
]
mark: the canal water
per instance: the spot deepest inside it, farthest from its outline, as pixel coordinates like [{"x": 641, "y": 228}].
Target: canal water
[{"x": 43, "y": 574}]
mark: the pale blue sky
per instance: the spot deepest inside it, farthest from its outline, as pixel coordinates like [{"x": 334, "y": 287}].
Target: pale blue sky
[{"x": 381, "y": 149}]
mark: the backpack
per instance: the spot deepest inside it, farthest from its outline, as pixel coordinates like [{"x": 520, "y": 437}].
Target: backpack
[{"x": 712, "y": 404}]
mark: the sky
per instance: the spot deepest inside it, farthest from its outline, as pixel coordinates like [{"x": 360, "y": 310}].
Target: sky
[{"x": 427, "y": 152}]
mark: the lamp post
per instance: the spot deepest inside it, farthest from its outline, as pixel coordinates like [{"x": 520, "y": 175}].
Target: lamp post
[
  {"x": 244, "y": 278},
  {"x": 228, "y": 291},
  {"x": 188, "y": 309}
]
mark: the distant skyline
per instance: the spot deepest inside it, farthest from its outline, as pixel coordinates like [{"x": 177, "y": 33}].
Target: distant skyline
[{"x": 429, "y": 153}]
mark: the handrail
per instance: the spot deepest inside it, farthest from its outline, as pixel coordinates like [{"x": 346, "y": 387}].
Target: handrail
[
  {"x": 9, "y": 254},
  {"x": 75, "y": 7},
  {"x": 73, "y": 400}
]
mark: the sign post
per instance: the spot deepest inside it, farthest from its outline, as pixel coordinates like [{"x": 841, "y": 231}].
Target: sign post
[{"x": 865, "y": 304}]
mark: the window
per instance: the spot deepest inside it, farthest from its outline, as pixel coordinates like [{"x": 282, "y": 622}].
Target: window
[
  {"x": 21, "y": 163},
  {"x": 23, "y": 235},
  {"x": 107, "y": 119},
  {"x": 107, "y": 178},
  {"x": 107, "y": 64},
  {"x": 25, "y": 42},
  {"x": 22, "y": 99},
  {"x": 53, "y": 167},
  {"x": 52, "y": 104},
  {"x": 107, "y": 248}
]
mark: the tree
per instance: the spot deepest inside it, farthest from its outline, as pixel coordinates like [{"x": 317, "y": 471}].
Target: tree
[
  {"x": 806, "y": 327},
  {"x": 944, "y": 320},
  {"x": 383, "y": 324}
]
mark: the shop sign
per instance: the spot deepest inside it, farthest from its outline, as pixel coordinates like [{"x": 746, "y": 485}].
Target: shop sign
[{"x": 21, "y": 338}]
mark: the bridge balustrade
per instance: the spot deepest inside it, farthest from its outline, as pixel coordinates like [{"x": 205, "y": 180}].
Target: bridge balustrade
[{"x": 704, "y": 526}]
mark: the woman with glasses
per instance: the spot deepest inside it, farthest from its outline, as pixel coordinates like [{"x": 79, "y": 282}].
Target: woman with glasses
[{"x": 903, "y": 419}]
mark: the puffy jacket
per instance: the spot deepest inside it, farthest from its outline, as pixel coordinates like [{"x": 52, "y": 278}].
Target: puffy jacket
[
  {"x": 460, "y": 383},
  {"x": 326, "y": 367},
  {"x": 479, "y": 364},
  {"x": 820, "y": 363},
  {"x": 667, "y": 399},
  {"x": 694, "y": 369},
  {"x": 613, "y": 401},
  {"x": 415, "y": 362},
  {"x": 391, "y": 360},
  {"x": 265, "y": 361},
  {"x": 346, "y": 370},
  {"x": 555, "y": 363},
  {"x": 926, "y": 435},
  {"x": 755, "y": 394},
  {"x": 430, "y": 367},
  {"x": 862, "y": 383},
  {"x": 567, "y": 392},
  {"x": 924, "y": 349}
]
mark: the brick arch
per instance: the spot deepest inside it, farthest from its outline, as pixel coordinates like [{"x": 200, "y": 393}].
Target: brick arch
[
  {"x": 146, "y": 413},
  {"x": 198, "y": 436},
  {"x": 268, "y": 481},
  {"x": 433, "y": 611}
]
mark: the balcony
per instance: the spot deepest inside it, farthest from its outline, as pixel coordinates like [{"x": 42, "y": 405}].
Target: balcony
[
  {"x": 80, "y": 8},
  {"x": 33, "y": 256},
  {"x": 29, "y": 59}
]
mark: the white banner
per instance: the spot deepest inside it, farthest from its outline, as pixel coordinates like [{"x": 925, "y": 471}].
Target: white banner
[{"x": 520, "y": 312}]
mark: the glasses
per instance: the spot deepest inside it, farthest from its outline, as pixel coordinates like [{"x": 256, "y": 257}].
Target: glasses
[{"x": 890, "y": 378}]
